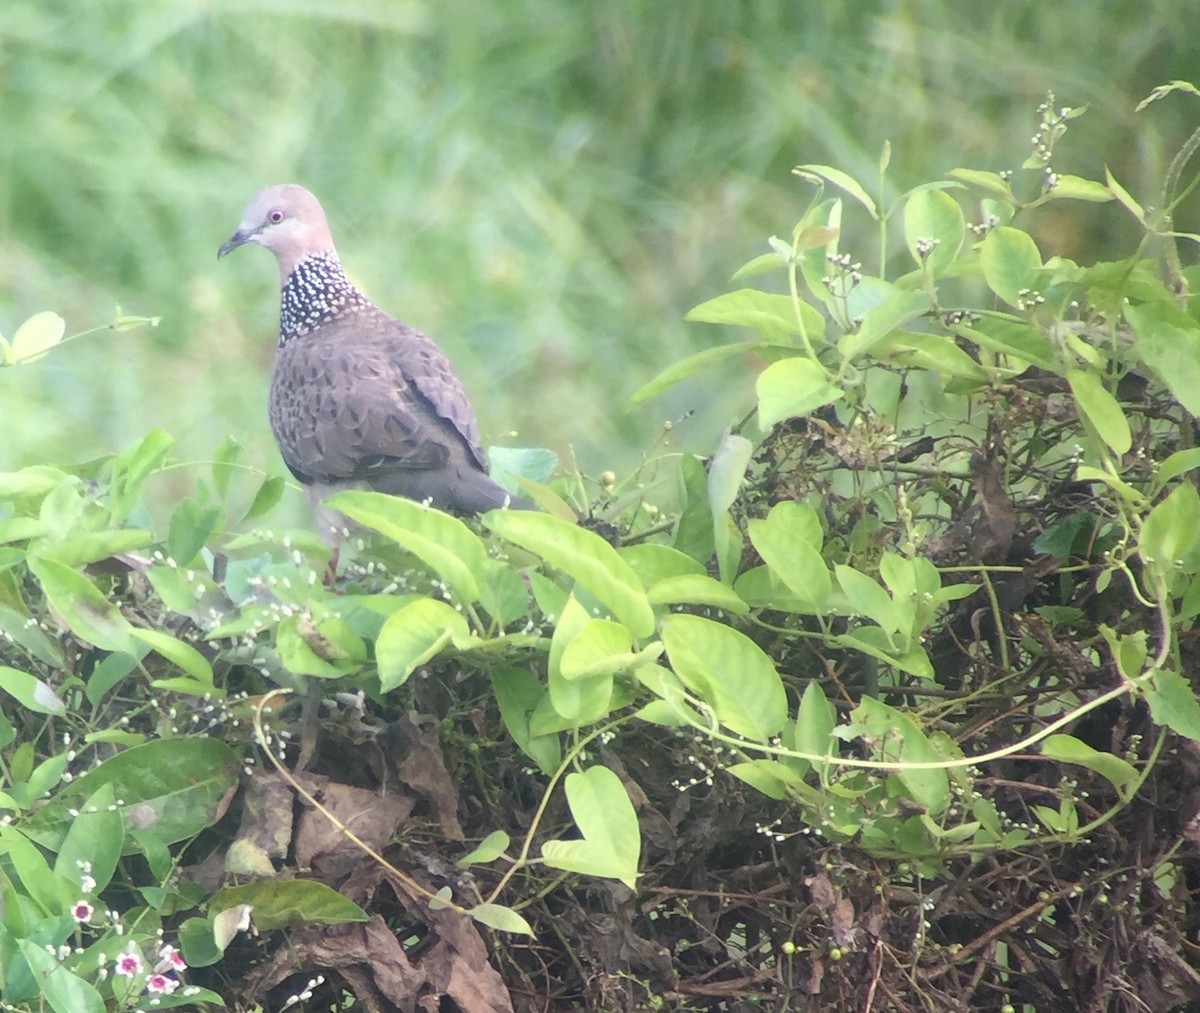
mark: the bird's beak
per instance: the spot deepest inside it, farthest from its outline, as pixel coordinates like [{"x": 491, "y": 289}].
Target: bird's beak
[{"x": 233, "y": 242}]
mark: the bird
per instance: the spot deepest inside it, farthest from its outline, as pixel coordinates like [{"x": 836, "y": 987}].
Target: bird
[{"x": 359, "y": 399}]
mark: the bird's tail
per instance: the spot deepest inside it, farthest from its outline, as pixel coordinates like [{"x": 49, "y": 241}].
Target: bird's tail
[{"x": 463, "y": 490}]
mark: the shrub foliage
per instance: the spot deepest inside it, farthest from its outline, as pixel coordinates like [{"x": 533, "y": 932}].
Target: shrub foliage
[{"x": 888, "y": 703}]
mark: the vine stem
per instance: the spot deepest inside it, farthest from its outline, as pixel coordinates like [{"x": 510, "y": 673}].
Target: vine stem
[
  {"x": 568, "y": 761},
  {"x": 907, "y": 765},
  {"x": 261, "y": 737}
]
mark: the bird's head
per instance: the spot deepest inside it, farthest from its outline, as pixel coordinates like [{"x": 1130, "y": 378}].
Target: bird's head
[{"x": 288, "y": 221}]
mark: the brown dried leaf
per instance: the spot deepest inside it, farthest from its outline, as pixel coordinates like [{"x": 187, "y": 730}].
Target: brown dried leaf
[
  {"x": 992, "y": 537},
  {"x": 267, "y": 814},
  {"x": 824, "y": 893},
  {"x": 371, "y": 817},
  {"x": 423, "y": 769}
]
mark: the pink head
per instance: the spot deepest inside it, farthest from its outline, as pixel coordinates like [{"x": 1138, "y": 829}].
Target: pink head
[{"x": 288, "y": 221}]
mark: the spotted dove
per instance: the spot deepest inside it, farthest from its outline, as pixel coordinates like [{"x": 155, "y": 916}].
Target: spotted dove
[{"x": 359, "y": 399}]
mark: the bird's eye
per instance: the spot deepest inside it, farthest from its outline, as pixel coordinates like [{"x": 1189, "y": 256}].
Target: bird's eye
[{"x": 275, "y": 216}]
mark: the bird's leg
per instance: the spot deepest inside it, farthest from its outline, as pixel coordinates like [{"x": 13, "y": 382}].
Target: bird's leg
[
  {"x": 331, "y": 569},
  {"x": 309, "y": 713}
]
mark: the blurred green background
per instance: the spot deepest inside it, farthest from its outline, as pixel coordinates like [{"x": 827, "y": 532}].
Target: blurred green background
[{"x": 545, "y": 187}]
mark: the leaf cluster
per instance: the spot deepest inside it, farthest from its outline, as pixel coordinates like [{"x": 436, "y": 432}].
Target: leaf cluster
[{"x": 955, "y": 535}]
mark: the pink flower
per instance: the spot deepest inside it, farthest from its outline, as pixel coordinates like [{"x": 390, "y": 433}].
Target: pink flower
[
  {"x": 170, "y": 958},
  {"x": 129, "y": 964},
  {"x": 160, "y": 983},
  {"x": 82, "y": 912}
]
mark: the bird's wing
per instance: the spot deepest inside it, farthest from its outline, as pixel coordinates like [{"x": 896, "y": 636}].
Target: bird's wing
[
  {"x": 430, "y": 374},
  {"x": 349, "y": 409}
]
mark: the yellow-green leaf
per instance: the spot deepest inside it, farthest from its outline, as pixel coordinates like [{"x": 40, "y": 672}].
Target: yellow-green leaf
[
  {"x": 792, "y": 387},
  {"x": 35, "y": 337},
  {"x": 444, "y": 543},
  {"x": 1101, "y": 409},
  {"x": 413, "y": 635},
  {"x": 586, "y": 557}
]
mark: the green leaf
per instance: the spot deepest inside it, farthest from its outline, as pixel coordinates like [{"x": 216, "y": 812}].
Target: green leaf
[
  {"x": 33, "y": 482},
  {"x": 775, "y": 316},
  {"x": 487, "y": 850},
  {"x": 444, "y": 543},
  {"x": 694, "y": 534},
  {"x": 1124, "y": 197},
  {"x": 884, "y": 318},
  {"x": 896, "y": 736},
  {"x": 815, "y": 721},
  {"x": 993, "y": 182},
  {"x": 1118, "y": 772},
  {"x": 1179, "y": 463},
  {"x": 770, "y": 777},
  {"x": 760, "y": 588},
  {"x": 197, "y": 943},
  {"x": 86, "y": 547},
  {"x": 225, "y": 456},
  {"x": 269, "y": 493},
  {"x": 67, "y": 511},
  {"x": 689, "y": 367},
  {"x": 172, "y": 789},
  {"x": 1006, "y": 335},
  {"x": 1064, "y": 820},
  {"x": 1068, "y": 187},
  {"x": 91, "y": 616},
  {"x": 191, "y": 526},
  {"x": 1163, "y": 90},
  {"x": 308, "y": 645},
  {"x": 64, "y": 991},
  {"x": 30, "y": 784},
  {"x": 51, "y": 892},
  {"x": 839, "y": 179},
  {"x": 934, "y": 216},
  {"x": 611, "y": 842},
  {"x": 727, "y": 546},
  {"x": 1170, "y": 535},
  {"x": 518, "y": 695},
  {"x": 133, "y": 466},
  {"x": 1101, "y": 409},
  {"x": 1074, "y": 534},
  {"x": 600, "y": 647},
  {"x": 503, "y": 594},
  {"x": 97, "y": 837},
  {"x": 580, "y": 697},
  {"x": 582, "y": 555},
  {"x": 501, "y": 918},
  {"x": 727, "y": 471},
  {"x": 30, "y": 692},
  {"x": 1011, "y": 263},
  {"x": 789, "y": 541},
  {"x": 35, "y": 337},
  {"x": 763, "y": 264},
  {"x": 1168, "y": 341},
  {"x": 792, "y": 387},
  {"x": 731, "y": 673},
  {"x": 413, "y": 635},
  {"x": 1173, "y": 703},
  {"x": 866, "y": 597},
  {"x": 875, "y": 642},
  {"x": 20, "y": 529},
  {"x": 820, "y": 229},
  {"x": 696, "y": 589},
  {"x": 277, "y": 904},
  {"x": 183, "y": 655},
  {"x": 937, "y": 353},
  {"x": 653, "y": 562},
  {"x": 507, "y": 463}
]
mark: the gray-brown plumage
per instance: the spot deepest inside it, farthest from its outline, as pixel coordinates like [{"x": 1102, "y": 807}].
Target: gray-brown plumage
[{"x": 359, "y": 399}]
